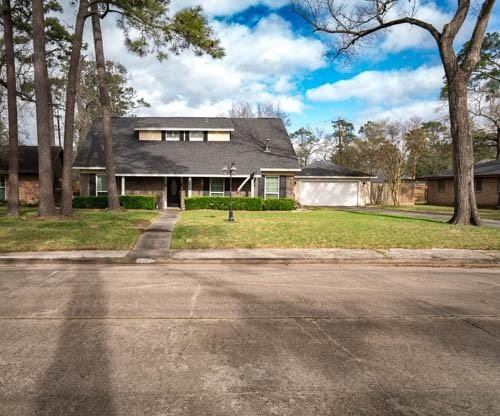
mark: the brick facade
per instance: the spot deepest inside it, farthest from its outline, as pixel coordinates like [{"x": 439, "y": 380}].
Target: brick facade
[{"x": 488, "y": 196}]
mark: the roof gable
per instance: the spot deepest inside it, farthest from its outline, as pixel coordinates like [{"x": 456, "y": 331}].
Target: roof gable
[{"x": 245, "y": 149}]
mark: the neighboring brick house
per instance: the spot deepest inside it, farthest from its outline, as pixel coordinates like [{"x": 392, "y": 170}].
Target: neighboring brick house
[
  {"x": 28, "y": 174},
  {"x": 176, "y": 157},
  {"x": 487, "y": 185}
]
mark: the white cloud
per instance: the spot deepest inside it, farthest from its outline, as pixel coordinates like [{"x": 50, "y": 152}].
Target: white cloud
[
  {"x": 226, "y": 7},
  {"x": 382, "y": 86},
  {"x": 423, "y": 109},
  {"x": 261, "y": 64}
]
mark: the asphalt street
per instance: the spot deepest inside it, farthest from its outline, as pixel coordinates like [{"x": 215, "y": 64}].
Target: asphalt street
[{"x": 248, "y": 340}]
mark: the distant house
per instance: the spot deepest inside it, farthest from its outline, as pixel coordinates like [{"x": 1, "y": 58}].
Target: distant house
[
  {"x": 487, "y": 185},
  {"x": 326, "y": 184},
  {"x": 28, "y": 174},
  {"x": 178, "y": 157}
]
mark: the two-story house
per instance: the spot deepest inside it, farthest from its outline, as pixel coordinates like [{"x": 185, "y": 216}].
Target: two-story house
[{"x": 178, "y": 157}]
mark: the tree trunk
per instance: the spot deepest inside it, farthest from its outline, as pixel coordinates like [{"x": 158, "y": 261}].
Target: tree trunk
[
  {"x": 13, "y": 186},
  {"x": 69, "y": 115},
  {"x": 498, "y": 143},
  {"x": 465, "y": 207},
  {"x": 46, "y": 206},
  {"x": 107, "y": 134}
]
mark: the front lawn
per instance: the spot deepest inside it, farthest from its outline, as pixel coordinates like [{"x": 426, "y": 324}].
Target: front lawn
[
  {"x": 492, "y": 214},
  {"x": 324, "y": 229},
  {"x": 88, "y": 229}
]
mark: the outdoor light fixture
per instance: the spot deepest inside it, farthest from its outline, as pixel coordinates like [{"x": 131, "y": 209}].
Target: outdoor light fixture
[{"x": 230, "y": 170}]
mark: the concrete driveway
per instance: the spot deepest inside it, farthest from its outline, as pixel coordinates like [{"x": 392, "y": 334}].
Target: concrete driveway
[{"x": 248, "y": 340}]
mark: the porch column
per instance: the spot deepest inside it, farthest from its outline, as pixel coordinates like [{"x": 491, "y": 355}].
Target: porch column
[
  {"x": 252, "y": 187},
  {"x": 190, "y": 186},
  {"x": 123, "y": 185}
]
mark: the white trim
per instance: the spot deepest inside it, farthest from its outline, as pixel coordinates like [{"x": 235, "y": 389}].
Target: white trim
[
  {"x": 123, "y": 185},
  {"x": 190, "y": 186},
  {"x": 210, "y": 193},
  {"x": 265, "y": 186},
  {"x": 180, "y": 129},
  {"x": 347, "y": 178},
  {"x": 252, "y": 187},
  {"x": 279, "y": 170},
  {"x": 243, "y": 183},
  {"x": 178, "y": 175},
  {"x": 88, "y": 168}
]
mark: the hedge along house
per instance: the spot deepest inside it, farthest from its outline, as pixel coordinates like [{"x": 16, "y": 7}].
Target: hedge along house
[
  {"x": 29, "y": 190},
  {"x": 178, "y": 157},
  {"x": 440, "y": 189}
]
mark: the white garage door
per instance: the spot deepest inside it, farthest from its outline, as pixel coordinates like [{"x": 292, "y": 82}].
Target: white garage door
[{"x": 328, "y": 193}]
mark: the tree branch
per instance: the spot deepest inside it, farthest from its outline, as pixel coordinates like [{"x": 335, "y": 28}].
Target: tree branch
[{"x": 473, "y": 54}]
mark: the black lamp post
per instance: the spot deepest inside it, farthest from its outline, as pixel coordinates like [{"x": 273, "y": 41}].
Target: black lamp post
[{"x": 230, "y": 170}]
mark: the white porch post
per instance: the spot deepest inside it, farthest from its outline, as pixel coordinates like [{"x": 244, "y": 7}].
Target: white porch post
[
  {"x": 252, "y": 187},
  {"x": 190, "y": 186},
  {"x": 123, "y": 185}
]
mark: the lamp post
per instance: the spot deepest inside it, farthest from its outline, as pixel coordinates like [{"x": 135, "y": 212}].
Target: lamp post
[{"x": 230, "y": 170}]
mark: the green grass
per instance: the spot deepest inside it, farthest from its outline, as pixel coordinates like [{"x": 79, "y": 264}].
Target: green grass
[
  {"x": 88, "y": 229},
  {"x": 324, "y": 229},
  {"x": 492, "y": 214}
]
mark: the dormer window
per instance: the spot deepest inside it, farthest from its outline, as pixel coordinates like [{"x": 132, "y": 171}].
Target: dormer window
[
  {"x": 172, "y": 136},
  {"x": 196, "y": 136}
]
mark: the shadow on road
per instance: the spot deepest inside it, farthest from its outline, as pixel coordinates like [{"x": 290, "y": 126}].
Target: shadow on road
[{"x": 77, "y": 381}]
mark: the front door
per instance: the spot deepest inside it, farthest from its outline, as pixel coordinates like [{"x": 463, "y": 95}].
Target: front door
[{"x": 173, "y": 192}]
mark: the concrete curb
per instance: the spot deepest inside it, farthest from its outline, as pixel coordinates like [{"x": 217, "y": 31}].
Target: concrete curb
[{"x": 397, "y": 257}]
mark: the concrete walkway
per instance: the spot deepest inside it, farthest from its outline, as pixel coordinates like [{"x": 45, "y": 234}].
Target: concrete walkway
[
  {"x": 424, "y": 215},
  {"x": 155, "y": 241}
]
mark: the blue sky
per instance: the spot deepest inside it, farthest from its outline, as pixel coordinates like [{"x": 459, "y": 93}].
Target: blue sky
[{"x": 271, "y": 54}]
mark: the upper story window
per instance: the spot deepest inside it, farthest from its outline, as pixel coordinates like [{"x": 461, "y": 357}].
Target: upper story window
[
  {"x": 196, "y": 136},
  {"x": 272, "y": 187},
  {"x": 172, "y": 136},
  {"x": 3, "y": 184},
  {"x": 216, "y": 186},
  {"x": 101, "y": 185}
]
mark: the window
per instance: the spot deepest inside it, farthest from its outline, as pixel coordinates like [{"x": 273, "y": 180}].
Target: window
[
  {"x": 478, "y": 184},
  {"x": 272, "y": 187},
  {"x": 2, "y": 188},
  {"x": 172, "y": 136},
  {"x": 216, "y": 186},
  {"x": 196, "y": 136},
  {"x": 441, "y": 186},
  {"x": 101, "y": 185}
]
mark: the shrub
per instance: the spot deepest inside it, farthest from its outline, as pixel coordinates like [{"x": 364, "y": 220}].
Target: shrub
[
  {"x": 138, "y": 201},
  {"x": 126, "y": 201},
  {"x": 222, "y": 203},
  {"x": 282, "y": 204}
]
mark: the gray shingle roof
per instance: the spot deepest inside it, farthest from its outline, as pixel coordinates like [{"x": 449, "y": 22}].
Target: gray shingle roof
[
  {"x": 320, "y": 168},
  {"x": 28, "y": 160},
  {"x": 246, "y": 148},
  {"x": 482, "y": 169}
]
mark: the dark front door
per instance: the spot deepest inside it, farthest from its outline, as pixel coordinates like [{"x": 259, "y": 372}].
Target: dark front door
[{"x": 173, "y": 192}]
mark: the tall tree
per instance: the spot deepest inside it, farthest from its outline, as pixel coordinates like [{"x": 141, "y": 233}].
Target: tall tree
[
  {"x": 343, "y": 133},
  {"x": 123, "y": 97},
  {"x": 245, "y": 109},
  {"x": 107, "y": 133},
  {"x": 148, "y": 27},
  {"x": 46, "y": 206},
  {"x": 13, "y": 193},
  {"x": 352, "y": 22},
  {"x": 69, "y": 113},
  {"x": 306, "y": 144}
]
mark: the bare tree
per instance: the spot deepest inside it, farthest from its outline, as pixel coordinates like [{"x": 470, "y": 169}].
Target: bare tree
[
  {"x": 353, "y": 23},
  {"x": 8, "y": 27},
  {"x": 46, "y": 206}
]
